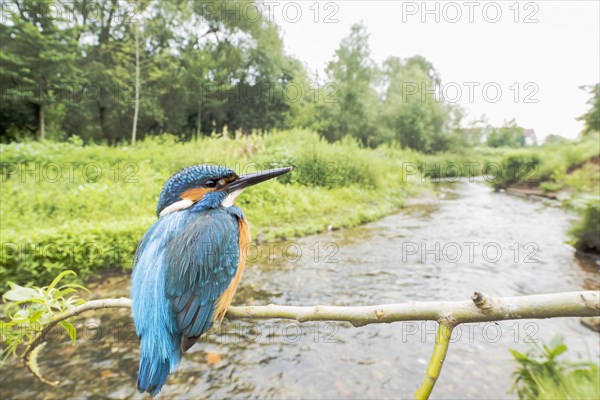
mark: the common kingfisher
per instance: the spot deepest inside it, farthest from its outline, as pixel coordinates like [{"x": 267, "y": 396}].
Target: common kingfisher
[{"x": 188, "y": 265}]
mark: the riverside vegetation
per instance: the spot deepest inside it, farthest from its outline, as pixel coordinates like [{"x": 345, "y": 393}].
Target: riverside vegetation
[
  {"x": 541, "y": 374},
  {"x": 565, "y": 170},
  {"x": 66, "y": 205},
  {"x": 89, "y": 204}
]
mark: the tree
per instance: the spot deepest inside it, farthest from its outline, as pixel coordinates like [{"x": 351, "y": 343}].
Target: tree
[
  {"x": 417, "y": 117},
  {"x": 352, "y": 75},
  {"x": 137, "y": 84},
  {"x": 203, "y": 66},
  {"x": 37, "y": 59},
  {"x": 592, "y": 117},
  {"x": 556, "y": 139},
  {"x": 509, "y": 135}
]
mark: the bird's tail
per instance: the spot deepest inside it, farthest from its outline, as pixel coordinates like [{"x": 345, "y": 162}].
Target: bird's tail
[
  {"x": 153, "y": 372},
  {"x": 155, "y": 324},
  {"x": 160, "y": 350}
]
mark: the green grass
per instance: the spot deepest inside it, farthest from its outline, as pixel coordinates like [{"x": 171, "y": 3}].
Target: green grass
[
  {"x": 91, "y": 217},
  {"x": 467, "y": 162},
  {"x": 579, "y": 384},
  {"x": 552, "y": 167},
  {"x": 84, "y": 207},
  {"x": 542, "y": 374}
]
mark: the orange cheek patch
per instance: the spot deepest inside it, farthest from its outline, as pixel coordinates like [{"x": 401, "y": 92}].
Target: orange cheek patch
[{"x": 195, "y": 194}]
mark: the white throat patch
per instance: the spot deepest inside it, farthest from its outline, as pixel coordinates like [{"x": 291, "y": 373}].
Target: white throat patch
[
  {"x": 185, "y": 203},
  {"x": 179, "y": 205},
  {"x": 228, "y": 201}
]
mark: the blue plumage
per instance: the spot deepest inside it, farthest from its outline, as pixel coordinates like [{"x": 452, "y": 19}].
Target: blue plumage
[
  {"x": 152, "y": 312},
  {"x": 188, "y": 178},
  {"x": 185, "y": 262}
]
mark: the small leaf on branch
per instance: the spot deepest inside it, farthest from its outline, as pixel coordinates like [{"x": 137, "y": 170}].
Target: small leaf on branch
[
  {"x": 19, "y": 293},
  {"x": 70, "y": 330}
]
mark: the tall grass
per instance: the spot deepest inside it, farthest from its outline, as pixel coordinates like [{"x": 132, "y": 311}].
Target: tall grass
[
  {"x": 552, "y": 167},
  {"x": 84, "y": 207},
  {"x": 542, "y": 374},
  {"x": 70, "y": 206}
]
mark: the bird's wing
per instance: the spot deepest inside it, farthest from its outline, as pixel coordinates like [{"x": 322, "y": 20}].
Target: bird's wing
[{"x": 201, "y": 263}]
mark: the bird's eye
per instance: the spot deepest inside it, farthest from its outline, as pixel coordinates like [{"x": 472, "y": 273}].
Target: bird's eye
[{"x": 210, "y": 184}]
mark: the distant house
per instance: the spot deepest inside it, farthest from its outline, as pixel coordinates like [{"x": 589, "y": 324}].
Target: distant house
[{"x": 530, "y": 138}]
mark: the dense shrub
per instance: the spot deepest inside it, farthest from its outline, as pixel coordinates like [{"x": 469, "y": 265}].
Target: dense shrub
[
  {"x": 521, "y": 166},
  {"x": 550, "y": 166},
  {"x": 586, "y": 232}
]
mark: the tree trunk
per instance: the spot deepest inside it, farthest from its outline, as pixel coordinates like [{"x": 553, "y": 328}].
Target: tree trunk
[
  {"x": 199, "y": 121},
  {"x": 42, "y": 121},
  {"x": 104, "y": 35},
  {"x": 137, "y": 85},
  {"x": 102, "y": 117}
]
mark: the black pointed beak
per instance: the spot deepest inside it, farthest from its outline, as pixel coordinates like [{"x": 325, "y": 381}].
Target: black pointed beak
[{"x": 247, "y": 180}]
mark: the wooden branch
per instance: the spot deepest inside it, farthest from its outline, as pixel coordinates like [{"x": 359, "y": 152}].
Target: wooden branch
[
  {"x": 448, "y": 314},
  {"x": 567, "y": 304},
  {"x": 442, "y": 341}
]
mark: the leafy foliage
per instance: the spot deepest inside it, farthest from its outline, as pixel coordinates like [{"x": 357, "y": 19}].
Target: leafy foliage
[
  {"x": 509, "y": 135},
  {"x": 554, "y": 164},
  {"x": 570, "y": 171},
  {"x": 412, "y": 115},
  {"x": 542, "y": 375},
  {"x": 91, "y": 218},
  {"x": 519, "y": 166},
  {"x": 592, "y": 117},
  {"x": 392, "y": 103},
  {"x": 352, "y": 72},
  {"x": 28, "y": 310},
  {"x": 586, "y": 232},
  {"x": 202, "y": 69}
]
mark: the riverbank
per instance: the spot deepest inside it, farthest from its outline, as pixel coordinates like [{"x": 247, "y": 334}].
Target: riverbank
[
  {"x": 85, "y": 207},
  {"x": 72, "y": 206},
  {"x": 567, "y": 172}
]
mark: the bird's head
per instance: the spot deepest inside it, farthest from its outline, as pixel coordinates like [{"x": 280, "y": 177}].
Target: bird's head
[{"x": 210, "y": 186}]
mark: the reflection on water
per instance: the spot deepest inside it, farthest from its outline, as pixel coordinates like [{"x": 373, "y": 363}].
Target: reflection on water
[{"x": 469, "y": 239}]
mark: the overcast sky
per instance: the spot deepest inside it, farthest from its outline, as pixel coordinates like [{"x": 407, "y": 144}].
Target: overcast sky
[{"x": 503, "y": 59}]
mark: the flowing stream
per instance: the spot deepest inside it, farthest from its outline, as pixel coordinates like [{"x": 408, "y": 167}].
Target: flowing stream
[{"x": 467, "y": 238}]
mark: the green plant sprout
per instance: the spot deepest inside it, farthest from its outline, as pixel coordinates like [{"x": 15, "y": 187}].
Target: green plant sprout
[{"x": 28, "y": 310}]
